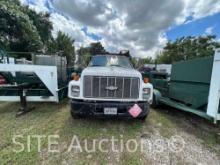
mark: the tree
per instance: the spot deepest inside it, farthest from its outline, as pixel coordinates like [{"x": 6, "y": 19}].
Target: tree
[
  {"x": 147, "y": 60},
  {"x": 188, "y": 48},
  {"x": 134, "y": 62},
  {"x": 24, "y": 30},
  {"x": 65, "y": 46},
  {"x": 138, "y": 62},
  {"x": 42, "y": 22},
  {"x": 84, "y": 55},
  {"x": 17, "y": 31},
  {"x": 96, "y": 48}
]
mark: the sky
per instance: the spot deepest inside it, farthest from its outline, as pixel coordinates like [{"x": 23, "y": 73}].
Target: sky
[{"x": 141, "y": 26}]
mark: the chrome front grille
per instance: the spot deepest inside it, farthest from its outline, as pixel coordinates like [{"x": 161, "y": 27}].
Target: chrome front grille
[{"x": 111, "y": 87}]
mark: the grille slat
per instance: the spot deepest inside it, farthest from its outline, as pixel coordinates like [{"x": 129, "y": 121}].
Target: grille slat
[
  {"x": 127, "y": 83},
  {"x": 115, "y": 90},
  {"x": 91, "y": 79},
  {"x": 123, "y": 87},
  {"x": 101, "y": 87},
  {"x": 130, "y": 86}
]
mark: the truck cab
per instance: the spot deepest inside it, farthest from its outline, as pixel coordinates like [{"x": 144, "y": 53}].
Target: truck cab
[{"x": 110, "y": 86}]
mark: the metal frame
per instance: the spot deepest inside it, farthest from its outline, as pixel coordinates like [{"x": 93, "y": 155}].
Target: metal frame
[
  {"x": 214, "y": 91},
  {"x": 47, "y": 74},
  {"x": 183, "y": 107}
]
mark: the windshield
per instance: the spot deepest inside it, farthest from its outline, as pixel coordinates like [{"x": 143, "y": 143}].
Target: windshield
[{"x": 110, "y": 60}]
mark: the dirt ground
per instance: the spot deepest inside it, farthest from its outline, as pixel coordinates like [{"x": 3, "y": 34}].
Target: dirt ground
[
  {"x": 199, "y": 141},
  {"x": 168, "y": 136}
]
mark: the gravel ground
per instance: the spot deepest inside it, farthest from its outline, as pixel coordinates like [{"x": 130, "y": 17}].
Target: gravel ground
[
  {"x": 190, "y": 151},
  {"x": 192, "y": 140}
]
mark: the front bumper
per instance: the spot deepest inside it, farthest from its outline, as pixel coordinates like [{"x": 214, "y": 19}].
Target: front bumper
[{"x": 96, "y": 108}]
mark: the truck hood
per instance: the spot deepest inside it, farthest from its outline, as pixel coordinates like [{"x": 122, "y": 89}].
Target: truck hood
[{"x": 111, "y": 71}]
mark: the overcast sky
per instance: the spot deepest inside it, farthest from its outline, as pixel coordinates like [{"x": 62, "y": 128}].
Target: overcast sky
[{"x": 141, "y": 26}]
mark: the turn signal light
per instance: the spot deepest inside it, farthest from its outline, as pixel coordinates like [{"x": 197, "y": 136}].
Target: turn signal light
[
  {"x": 146, "y": 80},
  {"x": 75, "y": 76}
]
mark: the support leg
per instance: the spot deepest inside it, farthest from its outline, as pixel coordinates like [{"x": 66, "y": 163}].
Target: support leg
[{"x": 23, "y": 109}]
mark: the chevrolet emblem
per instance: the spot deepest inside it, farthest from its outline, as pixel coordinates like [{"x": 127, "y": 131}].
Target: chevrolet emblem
[{"x": 111, "y": 88}]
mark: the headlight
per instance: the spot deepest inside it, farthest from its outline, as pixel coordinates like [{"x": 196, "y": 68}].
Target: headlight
[
  {"x": 75, "y": 91},
  {"x": 146, "y": 93}
]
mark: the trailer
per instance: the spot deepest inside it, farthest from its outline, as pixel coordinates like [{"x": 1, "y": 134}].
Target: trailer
[
  {"x": 192, "y": 86},
  {"x": 43, "y": 79},
  {"x": 48, "y": 91}
]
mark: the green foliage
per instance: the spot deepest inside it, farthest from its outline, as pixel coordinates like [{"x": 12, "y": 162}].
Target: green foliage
[
  {"x": 96, "y": 48},
  {"x": 134, "y": 62},
  {"x": 147, "y": 60},
  {"x": 188, "y": 48},
  {"x": 65, "y": 46},
  {"x": 138, "y": 62},
  {"x": 17, "y": 31},
  {"x": 84, "y": 56},
  {"x": 42, "y": 23},
  {"x": 24, "y": 30},
  {"x": 85, "y": 53}
]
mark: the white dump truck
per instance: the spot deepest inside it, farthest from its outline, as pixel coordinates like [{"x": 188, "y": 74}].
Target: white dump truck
[{"x": 110, "y": 86}]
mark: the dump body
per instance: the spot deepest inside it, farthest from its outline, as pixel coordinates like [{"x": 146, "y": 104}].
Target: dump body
[
  {"x": 193, "y": 86},
  {"x": 190, "y": 82}
]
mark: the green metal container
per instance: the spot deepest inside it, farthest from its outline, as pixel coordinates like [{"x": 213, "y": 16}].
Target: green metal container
[{"x": 190, "y": 81}]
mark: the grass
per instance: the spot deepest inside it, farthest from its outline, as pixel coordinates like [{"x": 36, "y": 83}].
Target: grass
[
  {"x": 49, "y": 119},
  {"x": 54, "y": 119}
]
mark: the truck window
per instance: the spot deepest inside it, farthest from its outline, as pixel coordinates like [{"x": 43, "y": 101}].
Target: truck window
[{"x": 110, "y": 60}]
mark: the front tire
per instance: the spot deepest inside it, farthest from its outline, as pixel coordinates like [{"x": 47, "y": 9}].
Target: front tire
[
  {"x": 75, "y": 116},
  {"x": 154, "y": 104},
  {"x": 143, "y": 118}
]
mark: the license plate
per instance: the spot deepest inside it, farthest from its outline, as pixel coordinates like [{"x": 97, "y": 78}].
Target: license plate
[{"x": 110, "y": 111}]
